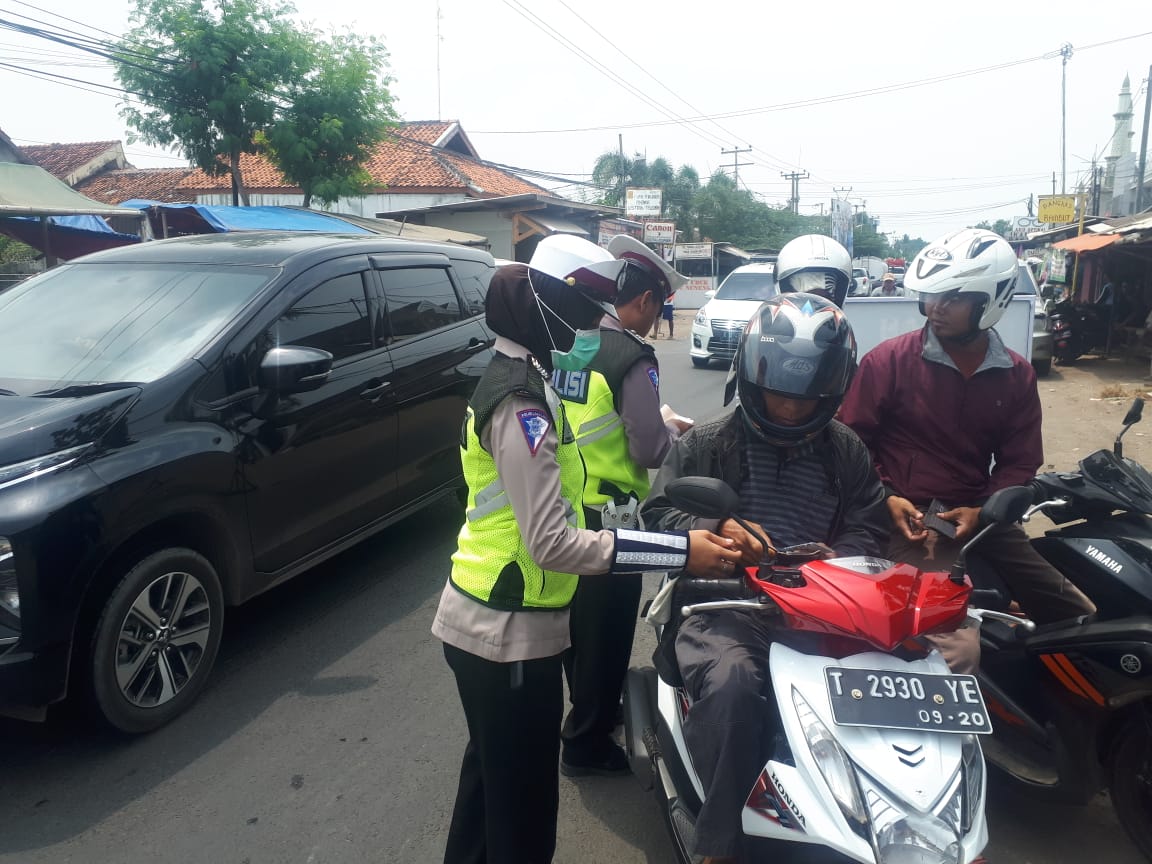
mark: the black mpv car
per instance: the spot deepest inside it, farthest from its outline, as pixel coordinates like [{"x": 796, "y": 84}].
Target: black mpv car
[{"x": 186, "y": 423}]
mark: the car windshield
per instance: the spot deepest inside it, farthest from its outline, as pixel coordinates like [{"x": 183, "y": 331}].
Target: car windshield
[
  {"x": 99, "y": 323},
  {"x": 748, "y": 286}
]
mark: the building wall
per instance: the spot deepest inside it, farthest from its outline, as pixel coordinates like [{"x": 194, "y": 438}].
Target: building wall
[
  {"x": 367, "y": 205},
  {"x": 497, "y": 227}
]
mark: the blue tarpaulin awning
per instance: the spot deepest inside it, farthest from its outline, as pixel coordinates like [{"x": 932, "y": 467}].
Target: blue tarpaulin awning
[{"x": 178, "y": 219}]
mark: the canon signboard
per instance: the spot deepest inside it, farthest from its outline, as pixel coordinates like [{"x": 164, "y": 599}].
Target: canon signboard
[{"x": 659, "y": 232}]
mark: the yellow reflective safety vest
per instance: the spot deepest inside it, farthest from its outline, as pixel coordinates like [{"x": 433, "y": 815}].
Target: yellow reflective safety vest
[
  {"x": 592, "y": 402},
  {"x": 492, "y": 564}
]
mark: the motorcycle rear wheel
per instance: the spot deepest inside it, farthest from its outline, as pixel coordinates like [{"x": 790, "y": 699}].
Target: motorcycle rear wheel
[{"x": 1130, "y": 782}]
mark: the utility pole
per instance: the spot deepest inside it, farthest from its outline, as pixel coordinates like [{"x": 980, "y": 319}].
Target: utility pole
[
  {"x": 1053, "y": 182},
  {"x": 623, "y": 196},
  {"x": 795, "y": 177},
  {"x": 736, "y": 163},
  {"x": 1144, "y": 143},
  {"x": 1065, "y": 53},
  {"x": 1097, "y": 181}
]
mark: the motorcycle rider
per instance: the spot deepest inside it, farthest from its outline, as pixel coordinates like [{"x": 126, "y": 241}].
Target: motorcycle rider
[
  {"x": 614, "y": 406},
  {"x": 815, "y": 264},
  {"x": 938, "y": 406},
  {"x": 801, "y": 476},
  {"x": 503, "y": 615}
]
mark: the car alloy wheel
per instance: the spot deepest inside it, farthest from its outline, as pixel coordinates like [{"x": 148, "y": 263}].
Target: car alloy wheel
[
  {"x": 156, "y": 640},
  {"x": 163, "y": 638}
]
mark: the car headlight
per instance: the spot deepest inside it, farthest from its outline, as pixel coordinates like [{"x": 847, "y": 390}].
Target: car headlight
[
  {"x": 9, "y": 590},
  {"x": 833, "y": 762},
  {"x": 29, "y": 468},
  {"x": 702, "y": 318}
]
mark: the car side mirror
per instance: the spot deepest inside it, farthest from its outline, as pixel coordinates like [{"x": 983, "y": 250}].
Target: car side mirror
[
  {"x": 1006, "y": 506},
  {"x": 709, "y": 294},
  {"x": 705, "y": 497},
  {"x": 294, "y": 369}
]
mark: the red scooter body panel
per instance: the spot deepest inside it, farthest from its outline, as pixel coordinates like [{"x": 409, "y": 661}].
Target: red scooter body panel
[{"x": 883, "y": 608}]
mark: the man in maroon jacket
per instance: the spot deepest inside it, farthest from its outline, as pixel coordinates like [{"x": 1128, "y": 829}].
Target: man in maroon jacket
[{"x": 951, "y": 415}]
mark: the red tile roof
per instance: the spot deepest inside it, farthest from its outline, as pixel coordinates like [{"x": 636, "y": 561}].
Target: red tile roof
[
  {"x": 156, "y": 184},
  {"x": 400, "y": 163},
  {"x": 63, "y": 159},
  {"x": 427, "y": 131}
]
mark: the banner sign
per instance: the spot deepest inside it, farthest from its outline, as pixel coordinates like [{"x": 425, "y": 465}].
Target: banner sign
[
  {"x": 693, "y": 250},
  {"x": 642, "y": 201},
  {"x": 1057, "y": 209},
  {"x": 659, "y": 232}
]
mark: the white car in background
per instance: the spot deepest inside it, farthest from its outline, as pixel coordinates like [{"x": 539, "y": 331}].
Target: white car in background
[
  {"x": 719, "y": 323},
  {"x": 861, "y": 284}
]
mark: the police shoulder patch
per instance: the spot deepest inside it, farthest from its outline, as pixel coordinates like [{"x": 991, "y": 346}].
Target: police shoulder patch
[
  {"x": 534, "y": 423},
  {"x": 654, "y": 377}
]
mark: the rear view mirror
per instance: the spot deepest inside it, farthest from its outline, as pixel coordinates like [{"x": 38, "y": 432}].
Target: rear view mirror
[
  {"x": 705, "y": 497},
  {"x": 1006, "y": 506},
  {"x": 294, "y": 369},
  {"x": 1134, "y": 413}
]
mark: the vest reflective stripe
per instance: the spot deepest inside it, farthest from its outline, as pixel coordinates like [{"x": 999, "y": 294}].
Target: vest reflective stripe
[
  {"x": 585, "y": 440},
  {"x": 488, "y": 500},
  {"x": 588, "y": 425},
  {"x": 492, "y": 563}
]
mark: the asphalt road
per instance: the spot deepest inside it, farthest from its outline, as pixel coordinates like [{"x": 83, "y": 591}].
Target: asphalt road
[{"x": 331, "y": 733}]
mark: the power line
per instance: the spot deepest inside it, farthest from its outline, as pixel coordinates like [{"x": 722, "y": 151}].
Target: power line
[{"x": 820, "y": 100}]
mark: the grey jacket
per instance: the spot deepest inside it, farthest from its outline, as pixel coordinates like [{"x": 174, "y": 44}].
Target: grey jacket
[{"x": 861, "y": 525}]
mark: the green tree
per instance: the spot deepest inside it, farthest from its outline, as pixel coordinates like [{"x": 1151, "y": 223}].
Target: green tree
[
  {"x": 208, "y": 75},
  {"x": 907, "y": 247},
  {"x": 1000, "y": 226},
  {"x": 336, "y": 114},
  {"x": 866, "y": 240}
]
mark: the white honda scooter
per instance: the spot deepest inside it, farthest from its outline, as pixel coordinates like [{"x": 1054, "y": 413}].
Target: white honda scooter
[{"x": 878, "y": 757}]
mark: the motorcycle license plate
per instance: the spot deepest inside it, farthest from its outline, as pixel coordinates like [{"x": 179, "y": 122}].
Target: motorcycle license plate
[{"x": 887, "y": 699}]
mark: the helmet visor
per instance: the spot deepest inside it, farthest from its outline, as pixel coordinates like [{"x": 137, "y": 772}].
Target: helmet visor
[{"x": 804, "y": 355}]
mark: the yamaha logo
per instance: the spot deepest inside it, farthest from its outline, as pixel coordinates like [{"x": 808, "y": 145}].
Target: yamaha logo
[
  {"x": 1131, "y": 664},
  {"x": 798, "y": 366},
  {"x": 938, "y": 253}
]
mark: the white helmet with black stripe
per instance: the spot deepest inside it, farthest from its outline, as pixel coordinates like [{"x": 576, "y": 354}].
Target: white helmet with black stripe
[{"x": 972, "y": 261}]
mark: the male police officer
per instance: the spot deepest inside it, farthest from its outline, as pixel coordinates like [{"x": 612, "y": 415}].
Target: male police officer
[{"x": 614, "y": 406}]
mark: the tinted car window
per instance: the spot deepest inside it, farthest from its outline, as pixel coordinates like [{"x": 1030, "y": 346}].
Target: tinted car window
[
  {"x": 333, "y": 317},
  {"x": 419, "y": 300},
  {"x": 86, "y": 323},
  {"x": 748, "y": 286},
  {"x": 474, "y": 277}
]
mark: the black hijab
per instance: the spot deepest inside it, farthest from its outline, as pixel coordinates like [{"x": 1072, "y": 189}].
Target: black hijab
[{"x": 512, "y": 311}]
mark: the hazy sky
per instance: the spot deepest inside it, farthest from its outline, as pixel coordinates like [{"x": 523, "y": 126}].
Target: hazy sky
[{"x": 926, "y": 159}]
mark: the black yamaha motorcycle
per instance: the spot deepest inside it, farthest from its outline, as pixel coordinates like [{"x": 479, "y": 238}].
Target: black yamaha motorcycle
[{"x": 1072, "y": 701}]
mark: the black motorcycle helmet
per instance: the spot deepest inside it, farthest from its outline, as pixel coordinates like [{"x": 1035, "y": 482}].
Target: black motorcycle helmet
[{"x": 799, "y": 346}]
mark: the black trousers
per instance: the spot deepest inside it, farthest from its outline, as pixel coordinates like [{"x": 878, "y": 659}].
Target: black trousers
[
  {"x": 602, "y": 626},
  {"x": 509, "y": 792},
  {"x": 730, "y": 727}
]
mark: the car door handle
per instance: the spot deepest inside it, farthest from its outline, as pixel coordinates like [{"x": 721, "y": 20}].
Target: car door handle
[
  {"x": 475, "y": 345},
  {"x": 375, "y": 391}
]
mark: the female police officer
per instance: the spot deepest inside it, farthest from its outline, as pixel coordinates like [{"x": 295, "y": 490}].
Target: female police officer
[{"x": 503, "y": 615}]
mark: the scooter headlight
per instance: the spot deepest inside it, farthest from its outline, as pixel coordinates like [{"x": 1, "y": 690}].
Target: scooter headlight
[
  {"x": 973, "y": 765},
  {"x": 833, "y": 762},
  {"x": 918, "y": 839}
]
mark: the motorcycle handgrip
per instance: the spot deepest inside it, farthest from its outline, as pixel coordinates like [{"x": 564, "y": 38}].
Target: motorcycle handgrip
[
  {"x": 691, "y": 590},
  {"x": 987, "y": 598}
]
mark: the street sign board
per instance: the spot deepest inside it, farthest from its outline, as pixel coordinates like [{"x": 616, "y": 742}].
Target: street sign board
[
  {"x": 693, "y": 250},
  {"x": 642, "y": 201},
  {"x": 659, "y": 232},
  {"x": 1022, "y": 226},
  {"x": 1057, "y": 209}
]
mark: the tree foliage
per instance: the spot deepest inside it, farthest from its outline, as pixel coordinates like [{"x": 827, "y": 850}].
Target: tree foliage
[
  {"x": 208, "y": 75},
  {"x": 1000, "y": 226},
  {"x": 866, "y": 240},
  {"x": 907, "y": 247},
  {"x": 337, "y": 113}
]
